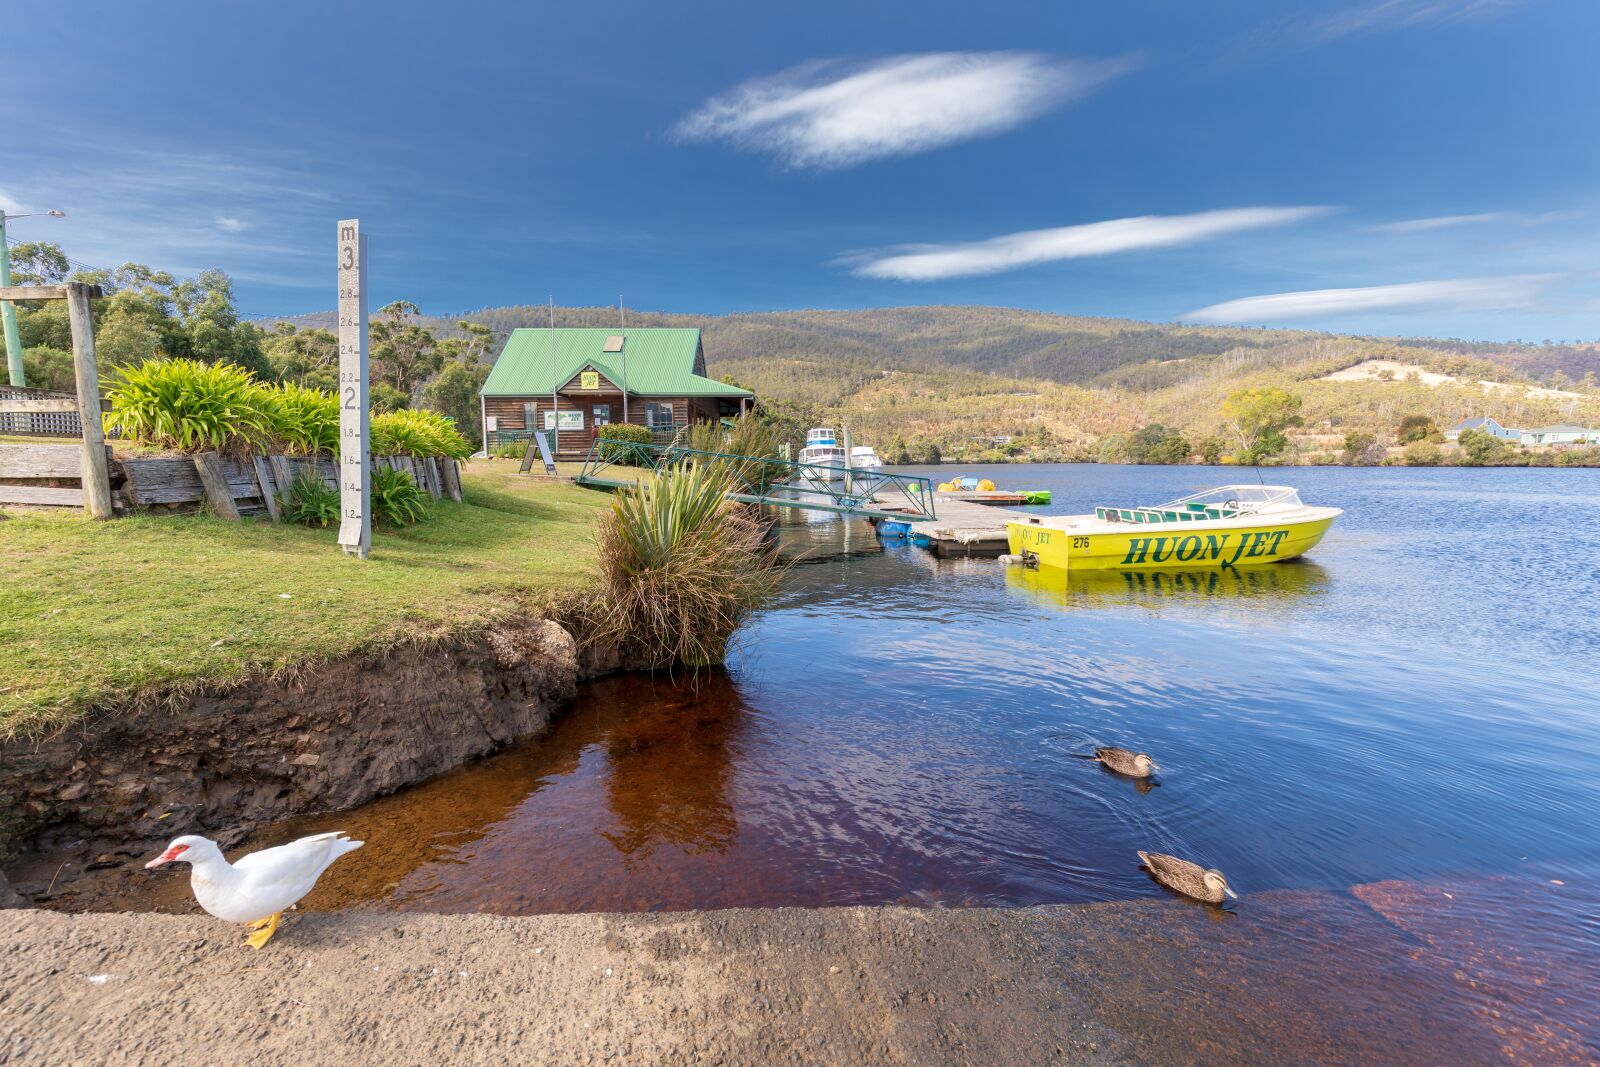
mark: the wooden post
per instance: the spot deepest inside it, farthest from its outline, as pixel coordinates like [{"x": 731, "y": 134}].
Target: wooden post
[
  {"x": 282, "y": 473},
  {"x": 432, "y": 466},
  {"x": 215, "y": 480},
  {"x": 95, "y": 473},
  {"x": 451, "y": 476},
  {"x": 269, "y": 495}
]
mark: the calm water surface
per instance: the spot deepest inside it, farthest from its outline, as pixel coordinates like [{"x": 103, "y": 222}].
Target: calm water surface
[
  {"x": 1418, "y": 699},
  {"x": 1391, "y": 748}
]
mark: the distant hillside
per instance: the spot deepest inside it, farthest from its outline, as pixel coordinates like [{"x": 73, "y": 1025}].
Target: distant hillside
[
  {"x": 960, "y": 377},
  {"x": 1067, "y": 349}
]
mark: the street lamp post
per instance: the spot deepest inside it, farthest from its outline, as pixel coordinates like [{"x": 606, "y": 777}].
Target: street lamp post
[{"x": 7, "y": 312}]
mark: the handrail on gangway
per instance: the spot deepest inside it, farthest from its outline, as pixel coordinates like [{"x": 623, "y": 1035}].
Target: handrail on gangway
[{"x": 765, "y": 480}]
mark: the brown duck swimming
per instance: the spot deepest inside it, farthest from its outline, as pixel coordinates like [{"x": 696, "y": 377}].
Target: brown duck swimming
[
  {"x": 1190, "y": 879},
  {"x": 1133, "y": 764}
]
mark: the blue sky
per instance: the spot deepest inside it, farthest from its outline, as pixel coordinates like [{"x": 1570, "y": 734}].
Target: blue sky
[{"x": 1374, "y": 166}]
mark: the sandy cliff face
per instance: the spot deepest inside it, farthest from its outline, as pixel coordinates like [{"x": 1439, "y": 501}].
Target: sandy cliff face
[{"x": 331, "y": 737}]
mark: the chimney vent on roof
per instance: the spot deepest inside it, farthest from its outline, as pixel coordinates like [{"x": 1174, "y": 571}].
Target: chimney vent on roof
[{"x": 613, "y": 343}]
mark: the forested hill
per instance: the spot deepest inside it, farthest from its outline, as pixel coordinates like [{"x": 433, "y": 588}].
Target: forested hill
[
  {"x": 799, "y": 352},
  {"x": 983, "y": 384}
]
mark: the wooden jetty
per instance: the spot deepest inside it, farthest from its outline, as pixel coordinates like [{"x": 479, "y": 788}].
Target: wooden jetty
[
  {"x": 964, "y": 528},
  {"x": 994, "y": 498}
]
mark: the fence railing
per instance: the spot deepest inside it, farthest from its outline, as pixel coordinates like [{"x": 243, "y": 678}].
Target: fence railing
[{"x": 780, "y": 482}]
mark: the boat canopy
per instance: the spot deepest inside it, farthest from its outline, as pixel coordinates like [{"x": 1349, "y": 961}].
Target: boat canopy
[
  {"x": 1226, "y": 502},
  {"x": 1239, "y": 497}
]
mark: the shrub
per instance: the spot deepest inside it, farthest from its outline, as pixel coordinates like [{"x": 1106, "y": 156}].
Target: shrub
[
  {"x": 1579, "y": 457},
  {"x": 307, "y": 420},
  {"x": 682, "y": 567},
  {"x": 191, "y": 406},
  {"x": 748, "y": 437},
  {"x": 1422, "y": 453},
  {"x": 621, "y": 431},
  {"x": 510, "y": 447},
  {"x": 1416, "y": 428},
  {"x": 49, "y": 368},
  {"x": 417, "y": 434},
  {"x": 397, "y": 500},
  {"x": 1479, "y": 449},
  {"x": 310, "y": 501},
  {"x": 1361, "y": 450}
]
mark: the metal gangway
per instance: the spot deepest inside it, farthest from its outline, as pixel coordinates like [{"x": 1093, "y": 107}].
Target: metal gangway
[{"x": 761, "y": 480}]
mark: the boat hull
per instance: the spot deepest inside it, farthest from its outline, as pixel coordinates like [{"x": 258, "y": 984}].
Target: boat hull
[{"x": 1147, "y": 547}]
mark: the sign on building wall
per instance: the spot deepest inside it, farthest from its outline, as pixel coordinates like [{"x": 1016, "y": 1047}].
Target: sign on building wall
[
  {"x": 570, "y": 420},
  {"x": 355, "y": 512},
  {"x": 589, "y": 379}
]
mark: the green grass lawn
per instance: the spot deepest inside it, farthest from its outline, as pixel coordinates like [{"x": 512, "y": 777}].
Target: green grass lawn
[{"x": 91, "y": 612}]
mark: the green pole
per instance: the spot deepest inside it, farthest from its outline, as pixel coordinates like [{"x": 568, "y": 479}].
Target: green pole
[{"x": 9, "y": 313}]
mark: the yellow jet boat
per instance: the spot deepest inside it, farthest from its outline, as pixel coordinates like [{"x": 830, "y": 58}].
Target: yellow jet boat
[{"x": 1234, "y": 526}]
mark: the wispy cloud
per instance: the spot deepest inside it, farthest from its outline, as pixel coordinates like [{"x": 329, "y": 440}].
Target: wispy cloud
[
  {"x": 1388, "y": 15},
  {"x": 8, "y": 204},
  {"x": 230, "y": 224},
  {"x": 1508, "y": 292},
  {"x": 1294, "y": 33},
  {"x": 828, "y": 115},
  {"x": 1441, "y": 222},
  {"x": 916, "y": 263}
]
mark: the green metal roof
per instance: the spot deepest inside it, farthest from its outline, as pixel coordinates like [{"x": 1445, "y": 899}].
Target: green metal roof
[{"x": 660, "y": 362}]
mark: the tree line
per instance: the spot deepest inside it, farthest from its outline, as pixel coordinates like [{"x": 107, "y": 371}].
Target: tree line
[{"x": 148, "y": 314}]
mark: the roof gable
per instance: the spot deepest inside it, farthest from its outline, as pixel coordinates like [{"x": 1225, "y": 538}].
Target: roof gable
[{"x": 654, "y": 361}]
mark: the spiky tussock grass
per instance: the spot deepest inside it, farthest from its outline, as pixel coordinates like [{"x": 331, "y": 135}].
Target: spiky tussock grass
[{"x": 681, "y": 568}]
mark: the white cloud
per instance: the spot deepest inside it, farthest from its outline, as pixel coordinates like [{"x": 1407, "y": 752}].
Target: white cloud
[
  {"x": 1441, "y": 222},
  {"x": 1014, "y": 250},
  {"x": 229, "y": 224},
  {"x": 8, "y": 205},
  {"x": 825, "y": 115},
  {"x": 1507, "y": 292}
]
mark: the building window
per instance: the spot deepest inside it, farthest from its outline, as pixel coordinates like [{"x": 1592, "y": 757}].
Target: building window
[
  {"x": 658, "y": 416},
  {"x": 602, "y": 414}
]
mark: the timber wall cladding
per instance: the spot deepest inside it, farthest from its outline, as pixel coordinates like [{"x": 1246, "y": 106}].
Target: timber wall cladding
[{"x": 30, "y": 474}]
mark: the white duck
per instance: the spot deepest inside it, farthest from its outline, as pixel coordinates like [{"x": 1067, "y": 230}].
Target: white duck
[{"x": 258, "y": 888}]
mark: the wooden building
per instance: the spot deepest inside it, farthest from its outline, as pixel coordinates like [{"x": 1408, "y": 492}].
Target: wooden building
[{"x": 573, "y": 380}]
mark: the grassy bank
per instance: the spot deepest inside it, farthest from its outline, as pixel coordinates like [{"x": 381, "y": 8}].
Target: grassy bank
[{"x": 92, "y": 612}]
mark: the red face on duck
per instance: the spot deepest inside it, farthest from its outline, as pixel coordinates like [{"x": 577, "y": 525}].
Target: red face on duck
[{"x": 173, "y": 851}]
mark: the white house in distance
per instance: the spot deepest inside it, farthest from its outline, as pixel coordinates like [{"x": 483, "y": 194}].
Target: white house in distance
[
  {"x": 1488, "y": 425},
  {"x": 1563, "y": 434}
]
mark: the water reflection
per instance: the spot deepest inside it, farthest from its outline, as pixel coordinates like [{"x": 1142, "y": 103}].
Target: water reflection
[
  {"x": 669, "y": 774},
  {"x": 1294, "y": 579}
]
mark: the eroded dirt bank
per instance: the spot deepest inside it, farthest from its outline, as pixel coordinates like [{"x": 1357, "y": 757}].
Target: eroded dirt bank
[
  {"x": 1393, "y": 973},
  {"x": 330, "y": 737}
]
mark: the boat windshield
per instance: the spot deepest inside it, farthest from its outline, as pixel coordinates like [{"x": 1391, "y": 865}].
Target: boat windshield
[{"x": 1237, "y": 498}]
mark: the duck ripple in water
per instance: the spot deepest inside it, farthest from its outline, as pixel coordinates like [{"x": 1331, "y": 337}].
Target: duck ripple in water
[
  {"x": 1132, "y": 764},
  {"x": 1190, "y": 879}
]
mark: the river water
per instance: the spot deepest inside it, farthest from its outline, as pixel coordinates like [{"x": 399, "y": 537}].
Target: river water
[{"x": 1414, "y": 705}]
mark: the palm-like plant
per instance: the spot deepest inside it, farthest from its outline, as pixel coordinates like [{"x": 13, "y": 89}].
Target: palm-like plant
[
  {"x": 682, "y": 568},
  {"x": 308, "y": 420},
  {"x": 191, "y": 406},
  {"x": 396, "y": 498}
]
